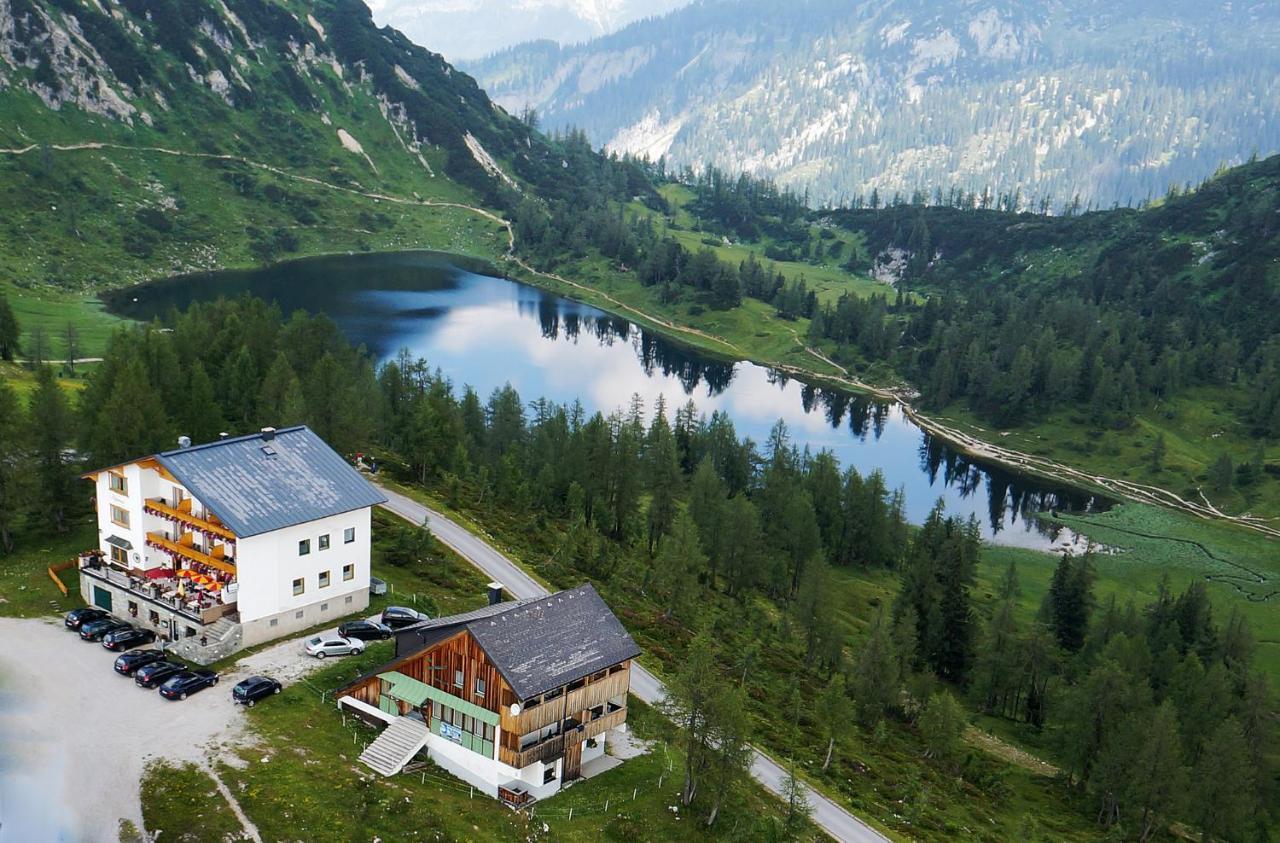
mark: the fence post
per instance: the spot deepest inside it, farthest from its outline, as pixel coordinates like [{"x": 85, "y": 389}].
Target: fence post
[
  {"x": 606, "y": 806},
  {"x": 634, "y": 791},
  {"x": 570, "y": 814}
]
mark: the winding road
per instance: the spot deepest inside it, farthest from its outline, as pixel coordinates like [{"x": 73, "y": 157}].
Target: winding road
[{"x": 827, "y": 815}]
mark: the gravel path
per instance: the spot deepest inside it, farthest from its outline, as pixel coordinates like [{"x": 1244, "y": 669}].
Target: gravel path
[{"x": 75, "y": 737}]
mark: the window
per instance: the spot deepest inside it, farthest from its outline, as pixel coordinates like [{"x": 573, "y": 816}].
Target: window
[
  {"x": 304, "y": 547},
  {"x": 297, "y": 616},
  {"x": 347, "y": 600},
  {"x": 349, "y": 535},
  {"x": 457, "y": 678},
  {"x": 119, "y": 516},
  {"x": 274, "y": 622},
  {"x": 479, "y": 687},
  {"x": 299, "y": 586},
  {"x": 133, "y": 609},
  {"x": 324, "y": 579},
  {"x": 118, "y": 483},
  {"x": 119, "y": 556},
  {"x": 324, "y": 607},
  {"x": 153, "y": 617},
  {"x": 324, "y": 542},
  {"x": 348, "y": 572}
]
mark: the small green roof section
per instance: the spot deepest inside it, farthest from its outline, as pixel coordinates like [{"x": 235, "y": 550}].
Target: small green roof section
[{"x": 415, "y": 693}]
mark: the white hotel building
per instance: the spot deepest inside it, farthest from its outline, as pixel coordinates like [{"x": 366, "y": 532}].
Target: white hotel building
[{"x": 231, "y": 543}]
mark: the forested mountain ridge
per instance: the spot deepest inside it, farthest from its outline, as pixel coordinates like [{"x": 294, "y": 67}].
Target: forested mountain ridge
[
  {"x": 1111, "y": 102},
  {"x": 149, "y": 136},
  {"x": 1110, "y": 310}
]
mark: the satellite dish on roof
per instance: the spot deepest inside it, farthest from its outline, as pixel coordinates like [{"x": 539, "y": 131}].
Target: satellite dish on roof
[{"x": 515, "y": 709}]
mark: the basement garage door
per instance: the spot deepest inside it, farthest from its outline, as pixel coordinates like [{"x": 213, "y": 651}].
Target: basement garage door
[{"x": 102, "y": 598}]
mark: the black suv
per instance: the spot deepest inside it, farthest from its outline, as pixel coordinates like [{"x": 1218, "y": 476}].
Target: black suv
[
  {"x": 178, "y": 686},
  {"x": 127, "y": 663},
  {"x": 127, "y": 639},
  {"x": 398, "y": 617},
  {"x": 94, "y": 630},
  {"x": 77, "y": 618},
  {"x": 365, "y": 630},
  {"x": 253, "y": 689},
  {"x": 151, "y": 675}
]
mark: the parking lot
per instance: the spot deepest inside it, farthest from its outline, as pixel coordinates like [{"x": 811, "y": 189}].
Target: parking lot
[{"x": 75, "y": 736}]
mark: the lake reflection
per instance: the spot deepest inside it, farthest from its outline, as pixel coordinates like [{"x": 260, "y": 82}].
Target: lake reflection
[{"x": 487, "y": 331}]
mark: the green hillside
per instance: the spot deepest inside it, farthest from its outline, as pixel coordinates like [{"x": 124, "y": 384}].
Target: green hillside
[{"x": 172, "y": 135}]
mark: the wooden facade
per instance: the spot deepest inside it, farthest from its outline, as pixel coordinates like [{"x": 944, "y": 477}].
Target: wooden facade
[{"x": 571, "y": 714}]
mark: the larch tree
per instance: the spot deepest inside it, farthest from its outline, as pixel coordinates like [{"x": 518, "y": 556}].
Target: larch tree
[
  {"x": 835, "y": 715},
  {"x": 12, "y": 437},
  {"x": 1223, "y": 783},
  {"x": 876, "y": 679},
  {"x": 10, "y": 332},
  {"x": 676, "y": 567},
  {"x": 49, "y": 426}
]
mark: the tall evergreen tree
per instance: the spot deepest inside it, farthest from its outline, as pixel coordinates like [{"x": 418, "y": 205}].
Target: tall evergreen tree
[
  {"x": 50, "y": 433},
  {"x": 10, "y": 332},
  {"x": 13, "y": 433}
]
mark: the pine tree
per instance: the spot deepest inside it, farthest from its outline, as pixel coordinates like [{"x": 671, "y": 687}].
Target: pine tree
[
  {"x": 131, "y": 422},
  {"x": 202, "y": 417},
  {"x": 730, "y": 754},
  {"x": 662, "y": 469},
  {"x": 1157, "y": 454},
  {"x": 1223, "y": 783},
  {"x": 676, "y": 567},
  {"x": 690, "y": 697},
  {"x": 49, "y": 425},
  {"x": 875, "y": 682},
  {"x": 795, "y": 797},
  {"x": 1157, "y": 786},
  {"x": 833, "y": 709},
  {"x": 941, "y": 726},
  {"x": 10, "y": 332},
  {"x": 1220, "y": 474},
  {"x": 12, "y": 435}
]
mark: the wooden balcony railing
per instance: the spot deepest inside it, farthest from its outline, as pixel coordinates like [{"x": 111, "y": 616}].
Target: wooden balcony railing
[
  {"x": 580, "y": 699},
  {"x": 160, "y": 507},
  {"x": 552, "y": 747},
  {"x": 188, "y": 552}
]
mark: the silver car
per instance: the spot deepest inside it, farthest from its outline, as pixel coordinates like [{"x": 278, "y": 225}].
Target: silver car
[{"x": 333, "y": 645}]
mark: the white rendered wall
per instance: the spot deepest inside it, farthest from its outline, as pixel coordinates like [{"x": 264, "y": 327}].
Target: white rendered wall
[{"x": 267, "y": 565}]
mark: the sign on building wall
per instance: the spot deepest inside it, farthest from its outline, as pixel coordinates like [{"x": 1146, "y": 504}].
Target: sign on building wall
[{"x": 451, "y": 732}]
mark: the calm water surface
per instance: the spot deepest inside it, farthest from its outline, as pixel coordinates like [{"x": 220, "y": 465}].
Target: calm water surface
[{"x": 487, "y": 331}]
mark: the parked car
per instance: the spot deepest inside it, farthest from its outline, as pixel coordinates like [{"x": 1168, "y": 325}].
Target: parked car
[
  {"x": 151, "y": 675},
  {"x": 333, "y": 645},
  {"x": 255, "y": 688},
  {"x": 77, "y": 618},
  {"x": 365, "y": 630},
  {"x": 127, "y": 663},
  {"x": 180, "y": 685},
  {"x": 94, "y": 630},
  {"x": 128, "y": 638},
  {"x": 398, "y": 617}
]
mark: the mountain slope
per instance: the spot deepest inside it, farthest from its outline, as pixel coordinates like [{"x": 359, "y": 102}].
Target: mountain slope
[
  {"x": 149, "y": 136},
  {"x": 1112, "y": 101}
]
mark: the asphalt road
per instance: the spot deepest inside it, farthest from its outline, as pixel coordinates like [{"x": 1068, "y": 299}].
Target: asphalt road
[{"x": 829, "y": 816}]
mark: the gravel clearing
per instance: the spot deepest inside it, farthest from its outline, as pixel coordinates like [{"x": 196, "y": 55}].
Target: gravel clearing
[{"x": 75, "y": 736}]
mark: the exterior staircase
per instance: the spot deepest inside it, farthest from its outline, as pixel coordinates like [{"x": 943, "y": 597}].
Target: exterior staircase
[
  {"x": 224, "y": 636},
  {"x": 396, "y": 746}
]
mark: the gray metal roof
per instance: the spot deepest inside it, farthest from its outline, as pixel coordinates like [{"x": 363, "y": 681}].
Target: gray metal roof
[
  {"x": 255, "y": 485},
  {"x": 543, "y": 643}
]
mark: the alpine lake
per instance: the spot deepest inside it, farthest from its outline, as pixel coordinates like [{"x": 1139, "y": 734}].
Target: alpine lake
[{"x": 486, "y": 331}]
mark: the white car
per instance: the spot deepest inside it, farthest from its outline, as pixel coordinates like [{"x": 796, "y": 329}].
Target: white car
[{"x": 333, "y": 645}]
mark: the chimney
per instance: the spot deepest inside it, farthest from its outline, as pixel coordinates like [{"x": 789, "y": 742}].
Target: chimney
[
  {"x": 184, "y": 441},
  {"x": 495, "y": 593},
  {"x": 268, "y": 433},
  {"x": 224, "y": 435}
]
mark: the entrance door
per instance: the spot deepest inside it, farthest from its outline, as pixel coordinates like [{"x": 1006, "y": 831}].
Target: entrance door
[
  {"x": 572, "y": 760},
  {"x": 102, "y": 598}
]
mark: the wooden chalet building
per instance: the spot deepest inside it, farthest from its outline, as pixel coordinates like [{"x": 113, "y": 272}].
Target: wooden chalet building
[{"x": 512, "y": 698}]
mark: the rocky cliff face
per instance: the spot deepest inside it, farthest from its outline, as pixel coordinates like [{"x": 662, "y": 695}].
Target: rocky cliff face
[{"x": 1109, "y": 101}]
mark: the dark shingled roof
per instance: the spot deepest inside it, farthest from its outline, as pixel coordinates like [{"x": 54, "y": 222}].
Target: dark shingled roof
[
  {"x": 543, "y": 642},
  {"x": 255, "y": 485}
]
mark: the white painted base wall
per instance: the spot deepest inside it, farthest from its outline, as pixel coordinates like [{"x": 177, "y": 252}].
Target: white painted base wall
[
  {"x": 486, "y": 774},
  {"x": 304, "y": 617}
]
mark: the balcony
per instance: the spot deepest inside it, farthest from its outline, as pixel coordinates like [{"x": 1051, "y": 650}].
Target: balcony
[
  {"x": 550, "y": 710},
  {"x": 549, "y": 749},
  {"x": 609, "y": 716},
  {"x": 152, "y": 594},
  {"x": 216, "y": 560},
  {"x": 182, "y": 515}
]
